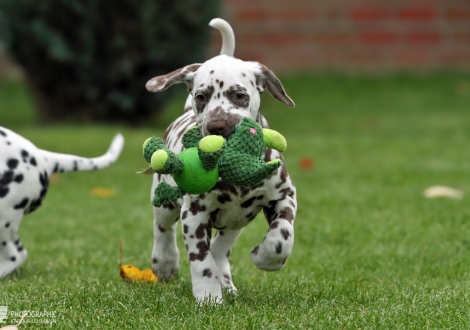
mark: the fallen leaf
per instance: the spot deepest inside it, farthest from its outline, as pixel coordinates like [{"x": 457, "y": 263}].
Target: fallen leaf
[
  {"x": 103, "y": 192},
  {"x": 443, "y": 192}
]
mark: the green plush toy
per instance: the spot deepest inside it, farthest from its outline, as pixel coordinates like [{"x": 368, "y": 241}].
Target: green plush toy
[{"x": 196, "y": 170}]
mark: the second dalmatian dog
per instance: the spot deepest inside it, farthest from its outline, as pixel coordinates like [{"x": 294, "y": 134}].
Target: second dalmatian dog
[
  {"x": 25, "y": 171},
  {"x": 222, "y": 90}
]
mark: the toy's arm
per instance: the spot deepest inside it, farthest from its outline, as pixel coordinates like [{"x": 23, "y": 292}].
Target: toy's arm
[
  {"x": 210, "y": 149},
  {"x": 192, "y": 137},
  {"x": 274, "y": 139}
]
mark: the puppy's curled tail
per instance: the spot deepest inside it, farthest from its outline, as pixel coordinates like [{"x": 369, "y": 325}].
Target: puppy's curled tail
[
  {"x": 228, "y": 37},
  {"x": 69, "y": 163}
]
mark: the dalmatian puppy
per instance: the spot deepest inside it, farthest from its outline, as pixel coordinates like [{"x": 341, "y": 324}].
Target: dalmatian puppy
[
  {"x": 222, "y": 90},
  {"x": 25, "y": 171}
]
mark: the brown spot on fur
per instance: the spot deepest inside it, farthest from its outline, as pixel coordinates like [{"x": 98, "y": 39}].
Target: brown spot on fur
[
  {"x": 224, "y": 197},
  {"x": 287, "y": 213},
  {"x": 203, "y": 248},
  {"x": 196, "y": 207},
  {"x": 184, "y": 215},
  {"x": 285, "y": 233},
  {"x": 274, "y": 225}
]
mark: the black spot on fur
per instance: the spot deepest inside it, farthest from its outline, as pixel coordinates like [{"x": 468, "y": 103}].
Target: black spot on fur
[
  {"x": 75, "y": 165},
  {"x": 56, "y": 168},
  {"x": 279, "y": 248},
  {"x": 4, "y": 243},
  {"x": 185, "y": 229},
  {"x": 33, "y": 162},
  {"x": 155, "y": 260},
  {"x": 225, "y": 187},
  {"x": 196, "y": 207},
  {"x": 285, "y": 233},
  {"x": 4, "y": 191},
  {"x": 12, "y": 163},
  {"x": 212, "y": 71},
  {"x": 203, "y": 248},
  {"x": 255, "y": 250},
  {"x": 6, "y": 178},
  {"x": 13, "y": 258},
  {"x": 22, "y": 204},
  {"x": 2, "y": 133},
  {"x": 207, "y": 273},
  {"x": 7, "y": 225},
  {"x": 248, "y": 202},
  {"x": 221, "y": 84},
  {"x": 213, "y": 216},
  {"x": 24, "y": 155},
  {"x": 18, "y": 178},
  {"x": 161, "y": 229},
  {"x": 224, "y": 197}
]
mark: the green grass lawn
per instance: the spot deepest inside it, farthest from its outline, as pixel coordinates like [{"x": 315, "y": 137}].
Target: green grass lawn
[{"x": 370, "y": 251}]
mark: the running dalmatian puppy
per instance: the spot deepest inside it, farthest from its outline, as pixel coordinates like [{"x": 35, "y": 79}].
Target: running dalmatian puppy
[
  {"x": 222, "y": 90},
  {"x": 25, "y": 171}
]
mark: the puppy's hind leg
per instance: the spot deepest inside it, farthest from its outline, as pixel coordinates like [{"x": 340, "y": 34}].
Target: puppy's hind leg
[{"x": 12, "y": 253}]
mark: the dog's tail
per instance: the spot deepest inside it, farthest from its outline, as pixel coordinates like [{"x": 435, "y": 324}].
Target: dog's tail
[
  {"x": 228, "y": 37},
  {"x": 68, "y": 163}
]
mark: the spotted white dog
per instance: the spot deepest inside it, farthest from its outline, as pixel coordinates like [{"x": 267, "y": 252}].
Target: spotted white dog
[
  {"x": 222, "y": 90},
  {"x": 25, "y": 171}
]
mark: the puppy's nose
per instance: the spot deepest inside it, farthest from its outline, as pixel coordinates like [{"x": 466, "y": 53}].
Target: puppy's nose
[{"x": 218, "y": 127}]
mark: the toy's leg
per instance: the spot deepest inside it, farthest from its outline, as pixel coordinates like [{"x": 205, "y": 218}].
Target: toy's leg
[
  {"x": 165, "y": 254},
  {"x": 166, "y": 194},
  {"x": 210, "y": 149},
  {"x": 12, "y": 253},
  {"x": 165, "y": 161},
  {"x": 192, "y": 137},
  {"x": 272, "y": 254},
  {"x": 220, "y": 248},
  {"x": 151, "y": 145}
]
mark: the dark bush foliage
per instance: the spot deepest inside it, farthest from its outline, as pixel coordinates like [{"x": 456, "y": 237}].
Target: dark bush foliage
[{"x": 90, "y": 59}]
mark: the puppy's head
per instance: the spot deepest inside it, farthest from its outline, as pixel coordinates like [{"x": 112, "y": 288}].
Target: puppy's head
[{"x": 224, "y": 90}]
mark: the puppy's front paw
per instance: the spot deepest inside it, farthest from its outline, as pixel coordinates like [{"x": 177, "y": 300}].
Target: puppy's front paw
[
  {"x": 271, "y": 255},
  {"x": 165, "y": 266}
]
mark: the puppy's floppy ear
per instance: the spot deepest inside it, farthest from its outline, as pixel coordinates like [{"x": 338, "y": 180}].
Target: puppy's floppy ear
[
  {"x": 182, "y": 75},
  {"x": 265, "y": 78}
]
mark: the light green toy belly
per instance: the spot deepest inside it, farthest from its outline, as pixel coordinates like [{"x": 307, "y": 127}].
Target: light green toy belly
[{"x": 194, "y": 178}]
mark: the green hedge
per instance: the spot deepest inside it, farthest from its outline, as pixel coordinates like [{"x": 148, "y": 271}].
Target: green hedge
[{"x": 90, "y": 59}]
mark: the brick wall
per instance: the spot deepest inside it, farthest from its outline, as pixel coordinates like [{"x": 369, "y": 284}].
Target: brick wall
[{"x": 367, "y": 34}]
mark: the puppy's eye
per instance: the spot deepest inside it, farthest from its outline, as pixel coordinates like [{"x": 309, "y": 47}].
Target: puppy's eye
[
  {"x": 200, "y": 97},
  {"x": 240, "y": 96}
]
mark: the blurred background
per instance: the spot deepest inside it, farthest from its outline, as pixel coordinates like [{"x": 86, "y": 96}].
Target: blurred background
[
  {"x": 89, "y": 60},
  {"x": 382, "y": 93}
]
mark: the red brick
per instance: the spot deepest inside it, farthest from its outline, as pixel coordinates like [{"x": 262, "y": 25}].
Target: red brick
[
  {"x": 423, "y": 37},
  {"x": 462, "y": 37},
  {"x": 412, "y": 58},
  {"x": 378, "y": 37},
  {"x": 458, "y": 13},
  {"x": 417, "y": 13},
  {"x": 293, "y": 14},
  {"x": 327, "y": 38},
  {"x": 369, "y": 13},
  {"x": 252, "y": 15}
]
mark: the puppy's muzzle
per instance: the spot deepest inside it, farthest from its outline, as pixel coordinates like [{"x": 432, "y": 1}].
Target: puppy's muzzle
[{"x": 219, "y": 127}]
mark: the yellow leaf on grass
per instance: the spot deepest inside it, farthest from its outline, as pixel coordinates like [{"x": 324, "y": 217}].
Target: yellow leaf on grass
[
  {"x": 103, "y": 192},
  {"x": 133, "y": 274}
]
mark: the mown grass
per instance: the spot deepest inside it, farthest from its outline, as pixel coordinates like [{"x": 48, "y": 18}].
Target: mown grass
[{"x": 370, "y": 251}]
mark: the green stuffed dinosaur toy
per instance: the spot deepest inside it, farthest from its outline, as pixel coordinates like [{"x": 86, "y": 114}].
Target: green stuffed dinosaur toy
[{"x": 237, "y": 160}]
